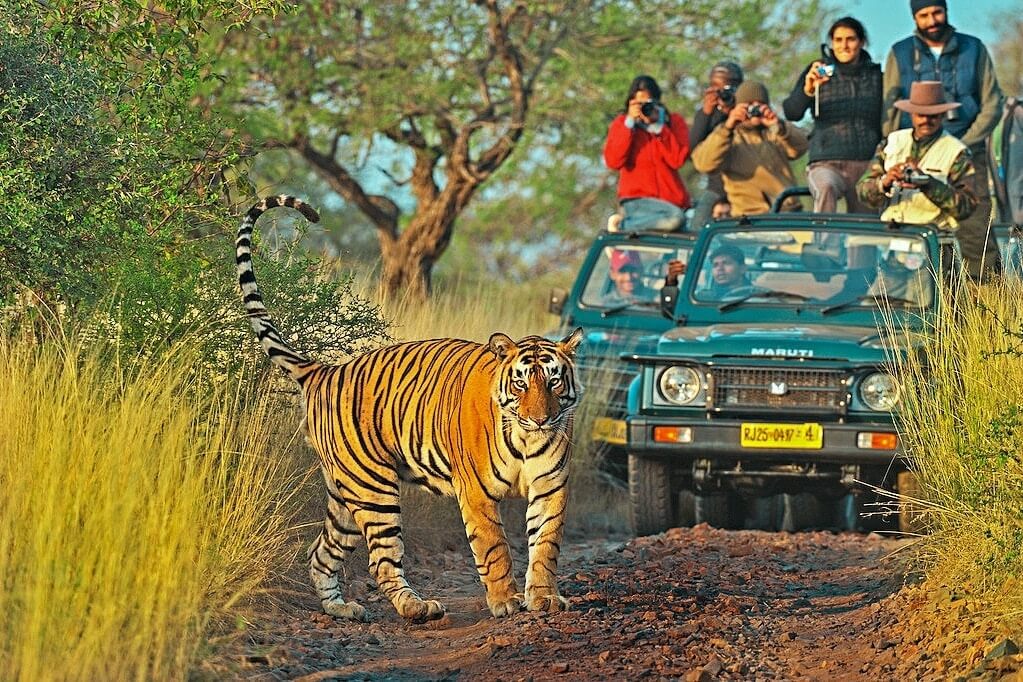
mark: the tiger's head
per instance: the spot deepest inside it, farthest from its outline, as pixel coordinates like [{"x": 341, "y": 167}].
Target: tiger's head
[{"x": 536, "y": 384}]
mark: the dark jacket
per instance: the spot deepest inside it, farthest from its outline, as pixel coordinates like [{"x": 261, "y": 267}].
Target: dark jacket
[
  {"x": 966, "y": 71},
  {"x": 703, "y": 124},
  {"x": 847, "y": 126}
]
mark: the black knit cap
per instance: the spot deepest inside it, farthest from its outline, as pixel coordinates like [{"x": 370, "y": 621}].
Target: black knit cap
[{"x": 917, "y": 5}]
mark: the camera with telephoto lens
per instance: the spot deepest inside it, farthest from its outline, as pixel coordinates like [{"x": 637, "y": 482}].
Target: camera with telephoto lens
[
  {"x": 649, "y": 108},
  {"x": 912, "y": 176},
  {"x": 826, "y": 70},
  {"x": 755, "y": 110},
  {"x": 727, "y": 95}
]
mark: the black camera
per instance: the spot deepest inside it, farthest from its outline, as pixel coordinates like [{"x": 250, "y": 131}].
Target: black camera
[
  {"x": 755, "y": 110},
  {"x": 649, "y": 108},
  {"x": 912, "y": 176},
  {"x": 727, "y": 95}
]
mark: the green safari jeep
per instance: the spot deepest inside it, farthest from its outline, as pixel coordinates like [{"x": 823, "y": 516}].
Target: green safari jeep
[
  {"x": 768, "y": 405},
  {"x": 617, "y": 323}
]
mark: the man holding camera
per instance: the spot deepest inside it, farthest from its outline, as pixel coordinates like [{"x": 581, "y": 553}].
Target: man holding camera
[
  {"x": 752, "y": 149},
  {"x": 937, "y": 52},
  {"x": 922, "y": 174},
  {"x": 718, "y": 100}
]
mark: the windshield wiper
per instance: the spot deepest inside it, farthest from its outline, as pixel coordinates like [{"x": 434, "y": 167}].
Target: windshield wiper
[
  {"x": 874, "y": 298},
  {"x": 614, "y": 310},
  {"x": 766, "y": 293}
]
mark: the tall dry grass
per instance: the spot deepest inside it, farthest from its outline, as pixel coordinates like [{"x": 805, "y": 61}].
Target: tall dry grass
[
  {"x": 136, "y": 507},
  {"x": 962, "y": 421}
]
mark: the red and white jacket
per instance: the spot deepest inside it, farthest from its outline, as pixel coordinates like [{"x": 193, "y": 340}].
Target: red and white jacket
[{"x": 647, "y": 161}]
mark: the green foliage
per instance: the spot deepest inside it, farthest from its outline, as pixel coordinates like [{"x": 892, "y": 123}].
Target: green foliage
[
  {"x": 189, "y": 299},
  {"x": 110, "y": 176},
  {"x": 354, "y": 79}
]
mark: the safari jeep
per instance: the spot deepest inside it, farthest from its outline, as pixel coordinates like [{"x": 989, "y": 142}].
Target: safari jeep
[
  {"x": 768, "y": 404},
  {"x": 615, "y": 324}
]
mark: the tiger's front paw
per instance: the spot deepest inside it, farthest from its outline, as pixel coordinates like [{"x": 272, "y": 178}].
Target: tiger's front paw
[
  {"x": 505, "y": 606},
  {"x": 348, "y": 610},
  {"x": 546, "y": 600},
  {"x": 420, "y": 611}
]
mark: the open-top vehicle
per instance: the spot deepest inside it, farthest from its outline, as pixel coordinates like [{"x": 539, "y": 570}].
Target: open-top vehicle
[
  {"x": 617, "y": 324},
  {"x": 769, "y": 403}
]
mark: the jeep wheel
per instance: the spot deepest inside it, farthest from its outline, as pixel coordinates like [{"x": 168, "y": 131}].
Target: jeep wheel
[
  {"x": 788, "y": 512},
  {"x": 802, "y": 511},
  {"x": 650, "y": 496},
  {"x": 716, "y": 509},
  {"x": 912, "y": 520}
]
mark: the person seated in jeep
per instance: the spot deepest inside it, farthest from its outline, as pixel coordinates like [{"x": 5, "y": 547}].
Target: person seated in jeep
[
  {"x": 728, "y": 272},
  {"x": 903, "y": 276},
  {"x": 626, "y": 274}
]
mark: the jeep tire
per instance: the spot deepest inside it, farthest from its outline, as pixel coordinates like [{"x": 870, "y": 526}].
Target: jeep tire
[
  {"x": 650, "y": 495},
  {"x": 717, "y": 509}
]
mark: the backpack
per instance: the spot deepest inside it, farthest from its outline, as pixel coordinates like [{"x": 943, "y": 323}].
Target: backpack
[{"x": 1005, "y": 154}]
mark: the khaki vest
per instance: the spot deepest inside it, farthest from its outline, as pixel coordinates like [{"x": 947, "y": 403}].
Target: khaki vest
[{"x": 909, "y": 205}]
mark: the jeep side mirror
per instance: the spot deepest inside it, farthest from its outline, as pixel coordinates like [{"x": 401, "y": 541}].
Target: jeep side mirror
[
  {"x": 669, "y": 295},
  {"x": 556, "y": 301}
]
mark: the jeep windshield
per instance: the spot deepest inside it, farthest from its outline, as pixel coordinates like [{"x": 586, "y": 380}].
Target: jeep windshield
[
  {"x": 628, "y": 277},
  {"x": 831, "y": 269}
]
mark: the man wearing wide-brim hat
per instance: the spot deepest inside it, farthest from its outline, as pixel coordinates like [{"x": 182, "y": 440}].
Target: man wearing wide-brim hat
[
  {"x": 922, "y": 174},
  {"x": 937, "y": 51}
]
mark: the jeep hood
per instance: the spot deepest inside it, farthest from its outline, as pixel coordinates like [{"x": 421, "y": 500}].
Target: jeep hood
[
  {"x": 809, "y": 341},
  {"x": 613, "y": 343}
]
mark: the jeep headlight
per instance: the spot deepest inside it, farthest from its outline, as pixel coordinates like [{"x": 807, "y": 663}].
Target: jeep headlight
[
  {"x": 680, "y": 385},
  {"x": 879, "y": 391}
]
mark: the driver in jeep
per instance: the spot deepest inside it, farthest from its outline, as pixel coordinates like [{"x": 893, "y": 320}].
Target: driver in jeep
[{"x": 728, "y": 272}]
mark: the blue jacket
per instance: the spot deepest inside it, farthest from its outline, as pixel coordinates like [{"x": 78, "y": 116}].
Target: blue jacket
[{"x": 965, "y": 69}]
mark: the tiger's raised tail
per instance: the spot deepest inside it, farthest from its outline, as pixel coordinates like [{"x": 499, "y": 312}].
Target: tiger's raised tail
[{"x": 280, "y": 353}]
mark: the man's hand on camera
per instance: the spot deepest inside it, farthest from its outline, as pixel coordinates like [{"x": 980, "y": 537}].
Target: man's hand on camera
[
  {"x": 768, "y": 116},
  {"x": 892, "y": 175},
  {"x": 711, "y": 100},
  {"x": 736, "y": 116}
]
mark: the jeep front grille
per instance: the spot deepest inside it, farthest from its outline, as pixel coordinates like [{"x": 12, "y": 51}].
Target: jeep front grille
[
  {"x": 606, "y": 381},
  {"x": 743, "y": 388}
]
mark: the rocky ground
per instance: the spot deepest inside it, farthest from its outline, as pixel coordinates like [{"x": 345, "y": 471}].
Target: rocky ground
[{"x": 693, "y": 604}]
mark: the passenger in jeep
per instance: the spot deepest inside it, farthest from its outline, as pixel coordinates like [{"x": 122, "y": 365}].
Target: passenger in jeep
[
  {"x": 626, "y": 275},
  {"x": 903, "y": 276}
]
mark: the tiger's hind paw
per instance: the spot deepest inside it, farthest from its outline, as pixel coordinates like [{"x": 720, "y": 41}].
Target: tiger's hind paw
[
  {"x": 348, "y": 610},
  {"x": 551, "y": 601},
  {"x": 506, "y": 607},
  {"x": 421, "y": 611}
]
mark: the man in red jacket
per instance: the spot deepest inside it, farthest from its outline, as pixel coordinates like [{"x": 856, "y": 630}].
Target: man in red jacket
[{"x": 647, "y": 145}]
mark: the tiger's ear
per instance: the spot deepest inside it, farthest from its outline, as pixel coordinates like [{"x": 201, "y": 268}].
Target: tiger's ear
[
  {"x": 571, "y": 342},
  {"x": 500, "y": 344}
]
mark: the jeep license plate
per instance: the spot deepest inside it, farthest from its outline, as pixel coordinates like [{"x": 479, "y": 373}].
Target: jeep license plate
[
  {"x": 609, "y": 430},
  {"x": 797, "y": 436}
]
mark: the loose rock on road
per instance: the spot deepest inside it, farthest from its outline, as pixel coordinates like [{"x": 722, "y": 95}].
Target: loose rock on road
[{"x": 691, "y": 604}]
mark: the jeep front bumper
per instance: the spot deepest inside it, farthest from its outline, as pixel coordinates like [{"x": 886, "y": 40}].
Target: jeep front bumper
[{"x": 685, "y": 440}]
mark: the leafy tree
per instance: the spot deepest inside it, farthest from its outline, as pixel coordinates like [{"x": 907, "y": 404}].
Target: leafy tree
[
  {"x": 111, "y": 179},
  {"x": 407, "y": 109}
]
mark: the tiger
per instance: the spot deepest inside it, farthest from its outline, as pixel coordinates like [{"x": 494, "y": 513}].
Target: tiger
[{"x": 480, "y": 422}]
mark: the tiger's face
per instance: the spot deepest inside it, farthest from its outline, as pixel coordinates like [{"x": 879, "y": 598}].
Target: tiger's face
[{"x": 536, "y": 383}]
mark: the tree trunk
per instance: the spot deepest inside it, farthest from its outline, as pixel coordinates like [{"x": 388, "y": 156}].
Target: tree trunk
[{"x": 408, "y": 260}]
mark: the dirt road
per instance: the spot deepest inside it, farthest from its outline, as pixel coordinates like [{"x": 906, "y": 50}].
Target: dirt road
[{"x": 692, "y": 604}]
